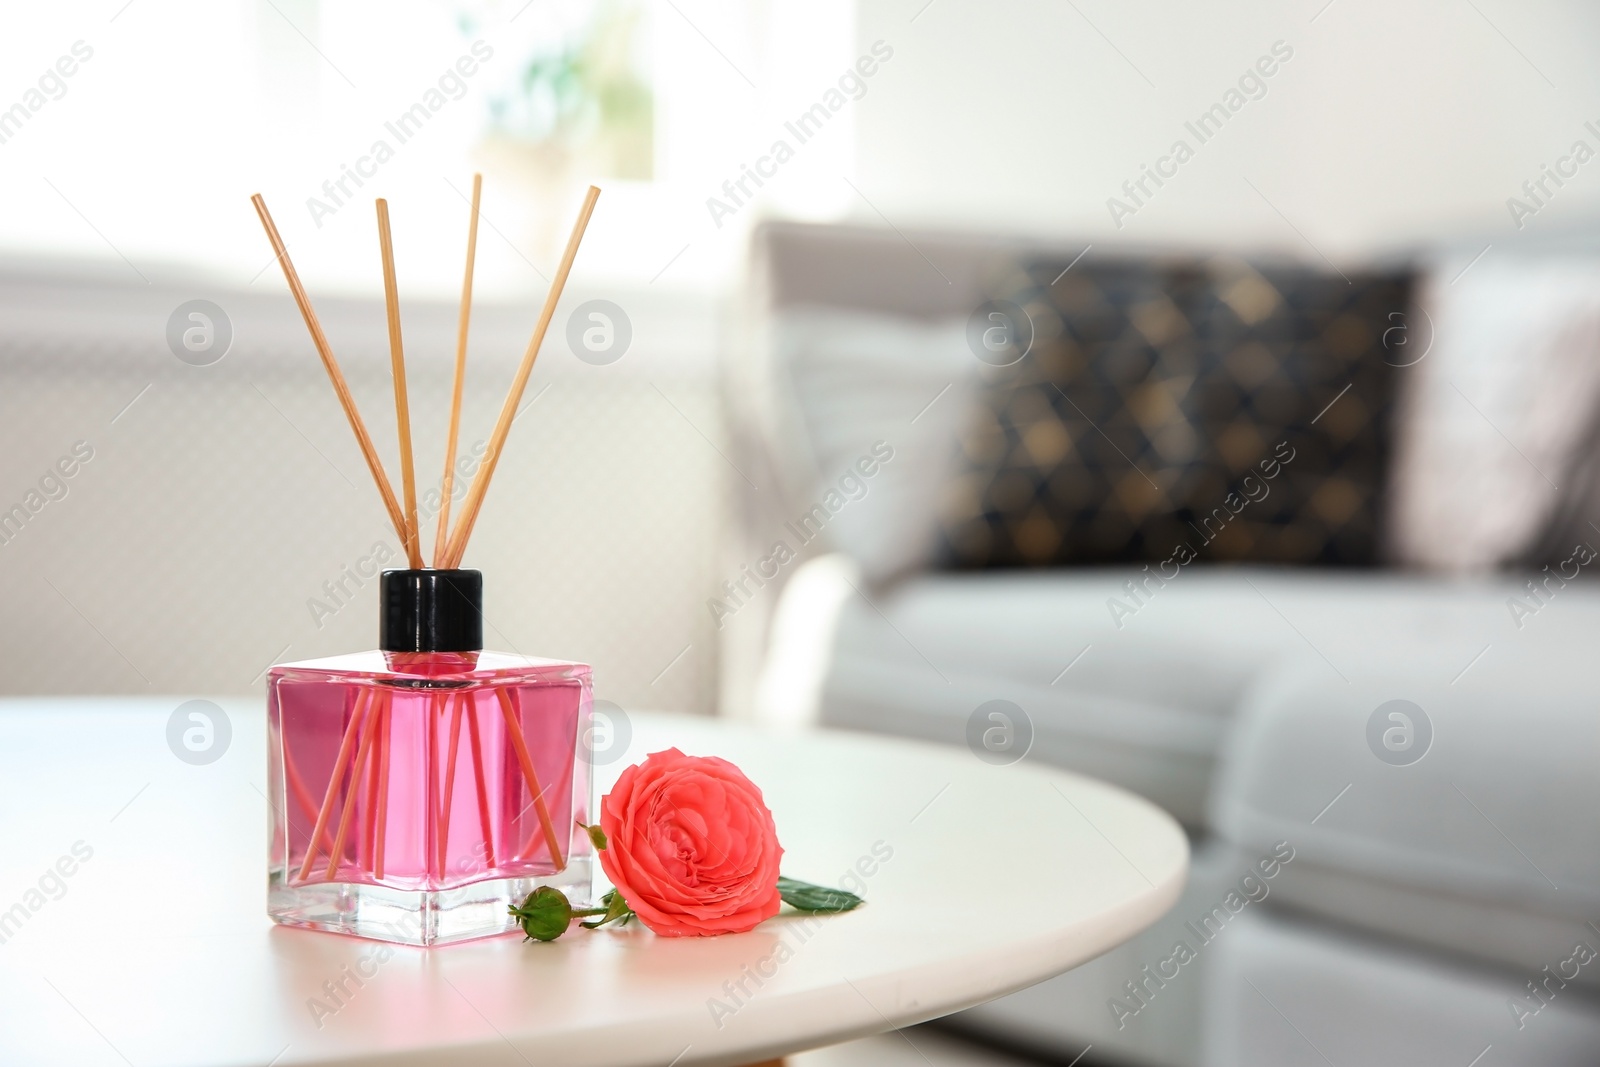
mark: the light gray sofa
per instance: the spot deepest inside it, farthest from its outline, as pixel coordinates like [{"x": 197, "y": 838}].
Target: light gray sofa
[{"x": 1442, "y": 909}]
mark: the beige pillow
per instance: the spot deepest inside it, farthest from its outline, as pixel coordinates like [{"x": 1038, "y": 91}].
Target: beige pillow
[{"x": 1498, "y": 411}]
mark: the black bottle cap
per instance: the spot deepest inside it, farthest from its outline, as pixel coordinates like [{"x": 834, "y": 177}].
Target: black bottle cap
[{"x": 430, "y": 611}]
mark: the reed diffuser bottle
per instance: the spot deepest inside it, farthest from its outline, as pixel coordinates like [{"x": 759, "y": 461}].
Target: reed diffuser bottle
[{"x": 421, "y": 789}]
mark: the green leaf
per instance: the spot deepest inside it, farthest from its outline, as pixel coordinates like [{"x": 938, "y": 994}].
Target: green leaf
[
  {"x": 545, "y": 915},
  {"x": 597, "y": 835},
  {"x": 617, "y": 911},
  {"x": 803, "y": 896}
]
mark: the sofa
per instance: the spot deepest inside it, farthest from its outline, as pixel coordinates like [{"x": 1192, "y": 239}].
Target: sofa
[{"x": 1388, "y": 773}]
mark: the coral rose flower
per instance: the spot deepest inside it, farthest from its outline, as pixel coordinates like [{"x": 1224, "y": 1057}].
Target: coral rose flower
[{"x": 691, "y": 845}]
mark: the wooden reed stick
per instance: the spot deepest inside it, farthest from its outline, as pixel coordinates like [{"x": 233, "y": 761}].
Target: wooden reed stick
[
  {"x": 476, "y": 744},
  {"x": 364, "y": 794},
  {"x": 520, "y": 744},
  {"x": 441, "y": 537},
  {"x": 369, "y": 790},
  {"x": 331, "y": 365},
  {"x": 480, "y": 485},
  {"x": 385, "y": 745},
  {"x": 367, "y": 846},
  {"x": 533, "y": 838},
  {"x": 449, "y": 784},
  {"x": 337, "y": 852},
  {"x": 346, "y": 747},
  {"x": 302, "y": 793},
  {"x": 402, "y": 406},
  {"x": 430, "y": 757}
]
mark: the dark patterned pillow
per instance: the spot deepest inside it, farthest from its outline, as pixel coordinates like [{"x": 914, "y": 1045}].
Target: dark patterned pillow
[{"x": 1191, "y": 409}]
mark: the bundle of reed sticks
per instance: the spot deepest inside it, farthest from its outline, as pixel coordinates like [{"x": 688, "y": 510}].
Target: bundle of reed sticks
[
  {"x": 365, "y": 738},
  {"x": 447, "y": 549}
]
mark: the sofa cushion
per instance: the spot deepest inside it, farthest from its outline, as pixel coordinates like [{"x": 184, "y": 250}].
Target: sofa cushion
[
  {"x": 1137, "y": 682},
  {"x": 853, "y": 393},
  {"x": 1502, "y": 404},
  {"x": 1463, "y": 817},
  {"x": 1281, "y": 992},
  {"x": 1238, "y": 411}
]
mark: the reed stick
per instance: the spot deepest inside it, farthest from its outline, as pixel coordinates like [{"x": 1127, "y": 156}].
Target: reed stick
[
  {"x": 449, "y": 783},
  {"x": 385, "y": 745},
  {"x": 331, "y": 365},
  {"x": 341, "y": 761},
  {"x": 441, "y": 537},
  {"x": 476, "y": 744},
  {"x": 520, "y": 744},
  {"x": 366, "y": 847},
  {"x": 337, "y": 852},
  {"x": 480, "y": 485},
  {"x": 430, "y": 761},
  {"x": 565, "y": 781},
  {"x": 402, "y": 405},
  {"x": 302, "y": 792}
]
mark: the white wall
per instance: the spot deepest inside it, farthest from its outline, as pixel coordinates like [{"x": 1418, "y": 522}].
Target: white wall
[
  {"x": 184, "y": 556},
  {"x": 1392, "y": 123}
]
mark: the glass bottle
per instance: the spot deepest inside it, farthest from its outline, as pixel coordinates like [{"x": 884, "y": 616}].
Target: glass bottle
[{"x": 419, "y": 790}]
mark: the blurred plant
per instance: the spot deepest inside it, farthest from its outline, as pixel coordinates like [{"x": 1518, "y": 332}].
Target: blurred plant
[{"x": 585, "y": 96}]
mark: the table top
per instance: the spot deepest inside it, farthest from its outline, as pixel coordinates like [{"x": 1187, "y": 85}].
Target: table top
[{"x": 133, "y": 927}]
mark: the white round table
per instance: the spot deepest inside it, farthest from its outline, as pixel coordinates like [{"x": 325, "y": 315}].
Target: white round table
[{"x": 155, "y": 949}]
